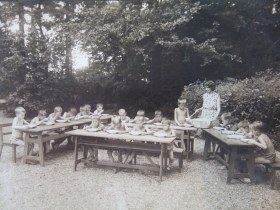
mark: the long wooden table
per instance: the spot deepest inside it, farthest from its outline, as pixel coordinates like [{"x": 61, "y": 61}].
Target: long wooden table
[
  {"x": 35, "y": 135},
  {"x": 236, "y": 151},
  {"x": 117, "y": 144},
  {"x": 184, "y": 131}
]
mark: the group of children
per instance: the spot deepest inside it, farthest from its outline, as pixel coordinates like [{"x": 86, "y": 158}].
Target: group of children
[{"x": 118, "y": 123}]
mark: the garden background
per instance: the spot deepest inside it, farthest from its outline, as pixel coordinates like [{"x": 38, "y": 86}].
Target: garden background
[{"x": 140, "y": 55}]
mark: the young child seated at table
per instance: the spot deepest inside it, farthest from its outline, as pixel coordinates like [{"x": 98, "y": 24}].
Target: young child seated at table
[
  {"x": 122, "y": 114},
  {"x": 140, "y": 113},
  {"x": 95, "y": 123},
  {"x": 82, "y": 114},
  {"x": 243, "y": 128},
  {"x": 120, "y": 127},
  {"x": 56, "y": 115},
  {"x": 157, "y": 118},
  {"x": 267, "y": 153},
  {"x": 166, "y": 129},
  {"x": 225, "y": 117},
  {"x": 99, "y": 109},
  {"x": 144, "y": 131},
  {"x": 88, "y": 110},
  {"x": 233, "y": 124},
  {"x": 40, "y": 119},
  {"x": 181, "y": 113},
  {"x": 17, "y": 135},
  {"x": 71, "y": 114}
]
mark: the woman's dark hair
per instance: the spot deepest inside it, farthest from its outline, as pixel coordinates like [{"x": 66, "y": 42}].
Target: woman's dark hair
[{"x": 211, "y": 85}]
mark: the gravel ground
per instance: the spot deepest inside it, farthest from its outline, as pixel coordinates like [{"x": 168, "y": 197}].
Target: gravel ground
[{"x": 200, "y": 186}]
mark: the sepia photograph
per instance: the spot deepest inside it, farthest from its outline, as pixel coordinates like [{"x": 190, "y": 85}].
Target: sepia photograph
[{"x": 140, "y": 104}]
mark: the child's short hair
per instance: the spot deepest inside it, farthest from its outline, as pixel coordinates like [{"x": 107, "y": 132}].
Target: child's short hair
[
  {"x": 182, "y": 101},
  {"x": 57, "y": 108},
  {"x": 243, "y": 124},
  {"x": 18, "y": 110},
  {"x": 226, "y": 115},
  {"x": 158, "y": 112},
  {"x": 141, "y": 113},
  {"x": 116, "y": 119},
  {"x": 42, "y": 113},
  {"x": 166, "y": 120},
  {"x": 73, "y": 110},
  {"x": 258, "y": 125},
  {"x": 121, "y": 111},
  {"x": 95, "y": 116},
  {"x": 233, "y": 121},
  {"x": 99, "y": 104},
  {"x": 87, "y": 105}
]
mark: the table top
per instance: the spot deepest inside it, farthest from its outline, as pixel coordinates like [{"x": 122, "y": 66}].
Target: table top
[
  {"x": 176, "y": 127},
  {"x": 223, "y": 138},
  {"x": 103, "y": 134}
]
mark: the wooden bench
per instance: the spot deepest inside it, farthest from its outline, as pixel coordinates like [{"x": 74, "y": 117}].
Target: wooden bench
[
  {"x": 7, "y": 143},
  {"x": 128, "y": 146},
  {"x": 273, "y": 166}
]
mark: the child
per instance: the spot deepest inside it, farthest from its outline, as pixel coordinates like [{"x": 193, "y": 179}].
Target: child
[
  {"x": 17, "y": 135},
  {"x": 82, "y": 114},
  {"x": 41, "y": 118},
  {"x": 169, "y": 133},
  {"x": 56, "y": 115},
  {"x": 267, "y": 154},
  {"x": 95, "y": 123},
  {"x": 181, "y": 113},
  {"x": 144, "y": 131},
  {"x": 120, "y": 127},
  {"x": 243, "y": 127},
  {"x": 157, "y": 118},
  {"x": 99, "y": 109},
  {"x": 225, "y": 117},
  {"x": 122, "y": 114},
  {"x": 88, "y": 109},
  {"x": 233, "y": 124},
  {"x": 71, "y": 114},
  {"x": 140, "y": 113}
]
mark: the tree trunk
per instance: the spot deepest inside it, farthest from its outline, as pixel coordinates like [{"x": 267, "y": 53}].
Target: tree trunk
[{"x": 68, "y": 59}]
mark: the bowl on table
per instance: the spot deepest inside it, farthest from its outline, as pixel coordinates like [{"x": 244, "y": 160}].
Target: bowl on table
[
  {"x": 61, "y": 121},
  {"x": 157, "y": 134},
  {"x": 112, "y": 131},
  {"x": 157, "y": 123},
  {"x": 135, "y": 133},
  {"x": 202, "y": 123},
  {"x": 49, "y": 123},
  {"x": 92, "y": 129}
]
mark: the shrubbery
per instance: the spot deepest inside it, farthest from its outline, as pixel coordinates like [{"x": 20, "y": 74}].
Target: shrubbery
[{"x": 257, "y": 98}]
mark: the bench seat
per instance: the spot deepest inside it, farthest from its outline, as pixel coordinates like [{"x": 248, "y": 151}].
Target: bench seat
[{"x": 273, "y": 167}]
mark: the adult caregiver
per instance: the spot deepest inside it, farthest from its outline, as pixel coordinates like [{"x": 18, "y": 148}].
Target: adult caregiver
[{"x": 211, "y": 102}]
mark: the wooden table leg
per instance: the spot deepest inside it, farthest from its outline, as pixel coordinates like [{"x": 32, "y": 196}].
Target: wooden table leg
[
  {"x": 165, "y": 155},
  {"x": 251, "y": 165},
  {"x": 41, "y": 150},
  {"x": 25, "y": 151},
  {"x": 206, "y": 148},
  {"x": 161, "y": 161},
  {"x": 231, "y": 164},
  {"x": 76, "y": 153}
]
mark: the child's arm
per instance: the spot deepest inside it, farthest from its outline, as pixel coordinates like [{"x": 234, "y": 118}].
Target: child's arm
[
  {"x": 147, "y": 131},
  {"x": 188, "y": 114},
  {"x": 172, "y": 133},
  {"x": 15, "y": 126},
  {"x": 25, "y": 122},
  {"x": 151, "y": 121},
  {"x": 125, "y": 131},
  {"x": 262, "y": 143}
]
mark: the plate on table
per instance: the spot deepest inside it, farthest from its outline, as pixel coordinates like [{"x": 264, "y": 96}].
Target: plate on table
[
  {"x": 188, "y": 125},
  {"x": 92, "y": 129},
  {"x": 218, "y": 128},
  {"x": 135, "y": 133},
  {"x": 105, "y": 114},
  {"x": 112, "y": 131},
  {"x": 49, "y": 123},
  {"x": 61, "y": 121},
  {"x": 235, "y": 136},
  {"x": 158, "y": 123},
  {"x": 160, "y": 134},
  {"x": 228, "y": 132}
]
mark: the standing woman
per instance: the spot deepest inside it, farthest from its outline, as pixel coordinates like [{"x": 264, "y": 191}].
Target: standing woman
[{"x": 211, "y": 102}]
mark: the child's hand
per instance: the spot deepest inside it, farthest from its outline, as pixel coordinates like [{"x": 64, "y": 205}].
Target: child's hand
[{"x": 251, "y": 141}]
